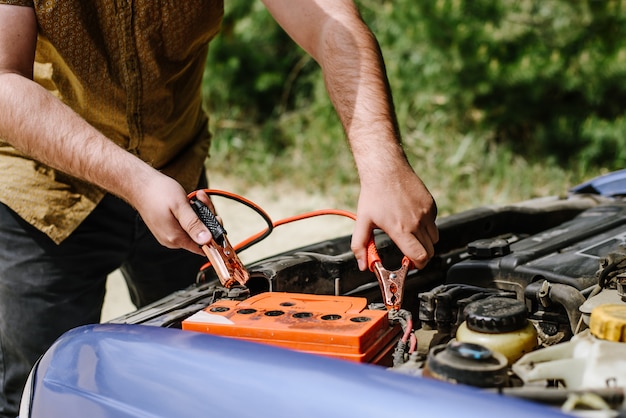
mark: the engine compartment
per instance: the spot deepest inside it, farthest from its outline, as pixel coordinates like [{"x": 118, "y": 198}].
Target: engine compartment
[{"x": 505, "y": 305}]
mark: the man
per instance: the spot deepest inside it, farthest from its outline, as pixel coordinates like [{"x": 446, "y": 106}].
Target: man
[{"x": 103, "y": 135}]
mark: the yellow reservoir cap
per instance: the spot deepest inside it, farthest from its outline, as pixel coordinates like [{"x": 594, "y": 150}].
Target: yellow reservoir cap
[{"x": 608, "y": 322}]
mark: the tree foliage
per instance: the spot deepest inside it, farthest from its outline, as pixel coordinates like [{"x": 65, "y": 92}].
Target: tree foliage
[{"x": 545, "y": 76}]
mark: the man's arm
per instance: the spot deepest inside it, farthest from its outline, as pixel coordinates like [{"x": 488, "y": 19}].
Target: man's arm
[
  {"x": 41, "y": 126},
  {"x": 392, "y": 197}
]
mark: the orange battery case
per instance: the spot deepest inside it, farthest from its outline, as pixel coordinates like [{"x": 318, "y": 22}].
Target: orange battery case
[{"x": 335, "y": 326}]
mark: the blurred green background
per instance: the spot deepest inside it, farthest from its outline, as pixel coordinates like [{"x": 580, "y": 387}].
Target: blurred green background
[{"x": 498, "y": 100}]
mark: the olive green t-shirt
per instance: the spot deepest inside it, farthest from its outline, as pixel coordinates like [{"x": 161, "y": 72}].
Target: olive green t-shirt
[{"x": 133, "y": 69}]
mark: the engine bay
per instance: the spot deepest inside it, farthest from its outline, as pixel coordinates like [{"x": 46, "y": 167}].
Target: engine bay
[{"x": 526, "y": 300}]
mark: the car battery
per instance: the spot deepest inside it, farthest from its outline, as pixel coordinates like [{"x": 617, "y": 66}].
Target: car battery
[{"x": 335, "y": 326}]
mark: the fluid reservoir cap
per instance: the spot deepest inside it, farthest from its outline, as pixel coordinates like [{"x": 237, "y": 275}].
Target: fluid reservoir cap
[
  {"x": 496, "y": 315},
  {"x": 467, "y": 363},
  {"x": 608, "y": 322},
  {"x": 471, "y": 351},
  {"x": 489, "y": 248}
]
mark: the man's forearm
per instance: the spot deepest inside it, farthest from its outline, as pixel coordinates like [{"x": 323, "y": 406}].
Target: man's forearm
[
  {"x": 355, "y": 77},
  {"x": 333, "y": 32},
  {"x": 41, "y": 126}
]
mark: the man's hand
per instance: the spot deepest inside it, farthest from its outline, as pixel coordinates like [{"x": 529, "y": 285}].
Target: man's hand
[
  {"x": 403, "y": 208},
  {"x": 165, "y": 209}
]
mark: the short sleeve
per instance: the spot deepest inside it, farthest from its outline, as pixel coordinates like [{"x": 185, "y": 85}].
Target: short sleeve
[{"x": 26, "y": 3}]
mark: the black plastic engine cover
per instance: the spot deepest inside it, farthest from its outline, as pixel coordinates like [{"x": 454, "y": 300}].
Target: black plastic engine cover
[{"x": 569, "y": 253}]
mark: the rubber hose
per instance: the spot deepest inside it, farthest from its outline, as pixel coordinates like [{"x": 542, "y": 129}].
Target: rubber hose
[{"x": 569, "y": 298}]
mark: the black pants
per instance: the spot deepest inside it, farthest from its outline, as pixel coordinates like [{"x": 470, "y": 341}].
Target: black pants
[{"x": 47, "y": 289}]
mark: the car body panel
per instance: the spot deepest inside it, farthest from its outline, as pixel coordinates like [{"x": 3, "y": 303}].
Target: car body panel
[{"x": 113, "y": 370}]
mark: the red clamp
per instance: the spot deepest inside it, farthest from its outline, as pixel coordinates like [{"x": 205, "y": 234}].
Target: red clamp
[{"x": 391, "y": 281}]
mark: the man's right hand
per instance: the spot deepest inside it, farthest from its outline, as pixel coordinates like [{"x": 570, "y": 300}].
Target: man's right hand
[{"x": 165, "y": 209}]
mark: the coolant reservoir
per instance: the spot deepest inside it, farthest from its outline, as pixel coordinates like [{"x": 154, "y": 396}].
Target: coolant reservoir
[
  {"x": 499, "y": 324},
  {"x": 608, "y": 322},
  {"x": 595, "y": 358}
]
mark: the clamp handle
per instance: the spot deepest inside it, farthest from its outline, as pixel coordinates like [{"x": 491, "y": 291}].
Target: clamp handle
[{"x": 209, "y": 220}]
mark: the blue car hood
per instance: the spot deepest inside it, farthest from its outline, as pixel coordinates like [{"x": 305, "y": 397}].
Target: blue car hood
[{"x": 114, "y": 370}]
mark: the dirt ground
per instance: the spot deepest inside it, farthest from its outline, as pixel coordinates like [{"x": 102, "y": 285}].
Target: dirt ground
[{"x": 278, "y": 201}]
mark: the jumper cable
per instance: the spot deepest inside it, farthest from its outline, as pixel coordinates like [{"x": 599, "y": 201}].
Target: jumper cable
[{"x": 231, "y": 271}]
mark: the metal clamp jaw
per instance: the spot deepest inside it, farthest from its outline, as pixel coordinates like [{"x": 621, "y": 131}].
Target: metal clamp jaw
[
  {"x": 229, "y": 268},
  {"x": 391, "y": 281}
]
